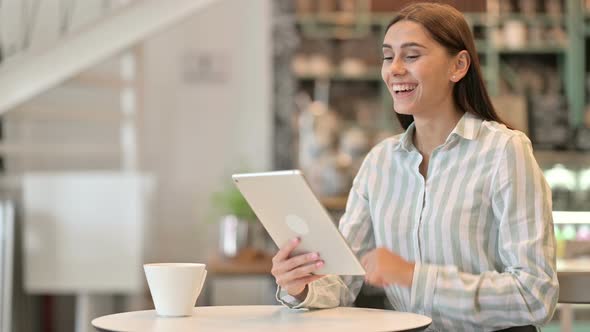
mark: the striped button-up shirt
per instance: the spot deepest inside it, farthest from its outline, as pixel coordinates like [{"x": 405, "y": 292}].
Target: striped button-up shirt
[{"x": 479, "y": 229}]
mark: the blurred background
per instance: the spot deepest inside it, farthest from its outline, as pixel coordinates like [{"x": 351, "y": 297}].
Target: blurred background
[{"x": 121, "y": 122}]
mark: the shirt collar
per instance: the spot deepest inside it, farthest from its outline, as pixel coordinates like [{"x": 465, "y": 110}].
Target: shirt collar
[
  {"x": 406, "y": 142},
  {"x": 468, "y": 128}
]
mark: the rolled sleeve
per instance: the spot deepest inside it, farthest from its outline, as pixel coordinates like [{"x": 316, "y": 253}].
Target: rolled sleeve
[{"x": 327, "y": 292}]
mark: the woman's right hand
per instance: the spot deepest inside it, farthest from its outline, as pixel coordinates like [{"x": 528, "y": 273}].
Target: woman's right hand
[{"x": 294, "y": 273}]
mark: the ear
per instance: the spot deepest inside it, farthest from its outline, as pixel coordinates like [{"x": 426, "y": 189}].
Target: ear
[{"x": 460, "y": 66}]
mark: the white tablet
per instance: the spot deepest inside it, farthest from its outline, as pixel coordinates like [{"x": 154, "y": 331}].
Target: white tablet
[{"x": 287, "y": 208}]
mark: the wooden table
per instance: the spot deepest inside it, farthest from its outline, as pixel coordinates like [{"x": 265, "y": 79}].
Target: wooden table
[
  {"x": 266, "y": 318},
  {"x": 574, "y": 278}
]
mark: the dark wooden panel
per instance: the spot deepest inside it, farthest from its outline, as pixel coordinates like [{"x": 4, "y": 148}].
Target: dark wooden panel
[{"x": 396, "y": 5}]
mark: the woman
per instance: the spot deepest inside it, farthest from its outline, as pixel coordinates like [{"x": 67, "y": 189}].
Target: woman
[{"x": 452, "y": 217}]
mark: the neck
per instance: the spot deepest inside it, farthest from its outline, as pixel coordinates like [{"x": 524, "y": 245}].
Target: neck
[{"x": 432, "y": 130}]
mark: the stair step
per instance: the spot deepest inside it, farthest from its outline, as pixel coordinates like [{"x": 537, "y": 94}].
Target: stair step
[
  {"x": 58, "y": 150},
  {"x": 96, "y": 116}
]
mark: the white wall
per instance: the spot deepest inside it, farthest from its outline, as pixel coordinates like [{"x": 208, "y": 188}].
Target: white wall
[{"x": 207, "y": 112}]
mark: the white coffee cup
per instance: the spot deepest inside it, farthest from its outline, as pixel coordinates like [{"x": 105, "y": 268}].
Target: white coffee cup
[{"x": 175, "y": 286}]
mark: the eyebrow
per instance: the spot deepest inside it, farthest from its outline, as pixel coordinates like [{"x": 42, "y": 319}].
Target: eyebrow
[{"x": 404, "y": 45}]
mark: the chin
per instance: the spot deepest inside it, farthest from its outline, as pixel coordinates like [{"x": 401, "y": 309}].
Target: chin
[{"x": 405, "y": 110}]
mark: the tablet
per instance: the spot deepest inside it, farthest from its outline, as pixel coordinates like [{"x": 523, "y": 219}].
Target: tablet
[{"x": 287, "y": 208}]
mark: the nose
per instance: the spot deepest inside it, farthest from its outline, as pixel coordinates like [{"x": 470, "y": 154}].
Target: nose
[{"x": 397, "y": 67}]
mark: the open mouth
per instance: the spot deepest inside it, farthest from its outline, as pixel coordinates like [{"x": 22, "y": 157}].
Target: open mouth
[{"x": 403, "y": 89}]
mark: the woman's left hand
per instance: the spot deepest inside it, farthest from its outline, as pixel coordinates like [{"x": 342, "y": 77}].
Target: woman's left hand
[{"x": 383, "y": 268}]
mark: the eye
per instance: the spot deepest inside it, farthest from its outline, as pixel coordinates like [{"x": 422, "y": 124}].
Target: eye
[
  {"x": 387, "y": 58},
  {"x": 412, "y": 57}
]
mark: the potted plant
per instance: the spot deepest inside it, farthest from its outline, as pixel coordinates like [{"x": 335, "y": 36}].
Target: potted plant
[{"x": 236, "y": 221}]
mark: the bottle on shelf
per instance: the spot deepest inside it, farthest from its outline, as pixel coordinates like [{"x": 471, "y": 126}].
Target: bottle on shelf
[
  {"x": 569, "y": 232},
  {"x": 583, "y": 233},
  {"x": 563, "y": 185}
]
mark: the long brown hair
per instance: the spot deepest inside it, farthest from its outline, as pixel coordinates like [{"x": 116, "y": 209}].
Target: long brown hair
[{"x": 448, "y": 27}]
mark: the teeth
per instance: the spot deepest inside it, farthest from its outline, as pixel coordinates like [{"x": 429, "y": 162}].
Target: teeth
[{"x": 403, "y": 87}]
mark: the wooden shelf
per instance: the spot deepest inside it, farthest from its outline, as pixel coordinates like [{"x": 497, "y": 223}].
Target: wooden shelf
[
  {"x": 529, "y": 19},
  {"x": 575, "y": 159},
  {"x": 533, "y": 49},
  {"x": 370, "y": 75},
  {"x": 249, "y": 261},
  {"x": 482, "y": 19},
  {"x": 334, "y": 18}
]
